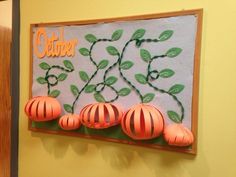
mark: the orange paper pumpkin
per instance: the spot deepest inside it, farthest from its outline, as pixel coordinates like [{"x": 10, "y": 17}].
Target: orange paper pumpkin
[
  {"x": 143, "y": 122},
  {"x": 42, "y": 108},
  {"x": 178, "y": 135},
  {"x": 69, "y": 122},
  {"x": 100, "y": 115}
]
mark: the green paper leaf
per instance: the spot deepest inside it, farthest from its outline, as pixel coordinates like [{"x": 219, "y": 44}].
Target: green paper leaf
[
  {"x": 90, "y": 38},
  {"x": 126, "y": 65},
  {"x": 89, "y": 88},
  {"x": 62, "y": 77},
  {"x": 84, "y": 51},
  {"x": 174, "y": 116},
  {"x": 165, "y": 35},
  {"x": 83, "y": 76},
  {"x": 55, "y": 93},
  {"x": 74, "y": 89},
  {"x": 165, "y": 73},
  {"x": 68, "y": 108},
  {"x": 145, "y": 55},
  {"x": 141, "y": 78},
  {"x": 124, "y": 92},
  {"x": 117, "y": 35},
  {"x": 44, "y": 66},
  {"x": 138, "y": 34},
  {"x": 103, "y": 64},
  {"x": 41, "y": 80},
  {"x": 111, "y": 80},
  {"x": 177, "y": 88},
  {"x": 112, "y": 50},
  {"x": 148, "y": 97},
  {"x": 98, "y": 97},
  {"x": 173, "y": 52},
  {"x": 68, "y": 64}
]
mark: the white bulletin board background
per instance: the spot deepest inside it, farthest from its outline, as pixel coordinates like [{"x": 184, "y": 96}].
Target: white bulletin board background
[{"x": 184, "y": 28}]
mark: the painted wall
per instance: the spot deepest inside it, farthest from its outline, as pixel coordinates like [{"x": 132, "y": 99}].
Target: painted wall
[{"x": 58, "y": 156}]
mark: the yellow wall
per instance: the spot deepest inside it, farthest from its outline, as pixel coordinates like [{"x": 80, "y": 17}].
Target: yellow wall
[{"x": 43, "y": 155}]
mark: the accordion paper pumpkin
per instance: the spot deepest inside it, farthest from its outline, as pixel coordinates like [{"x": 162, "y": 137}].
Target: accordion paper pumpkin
[
  {"x": 131, "y": 80},
  {"x": 178, "y": 135},
  {"x": 69, "y": 122},
  {"x": 100, "y": 115},
  {"x": 143, "y": 122},
  {"x": 43, "y": 108}
]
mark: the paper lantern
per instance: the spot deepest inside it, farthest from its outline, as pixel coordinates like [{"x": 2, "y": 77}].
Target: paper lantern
[
  {"x": 43, "y": 108},
  {"x": 69, "y": 122},
  {"x": 142, "y": 122},
  {"x": 100, "y": 115},
  {"x": 178, "y": 135}
]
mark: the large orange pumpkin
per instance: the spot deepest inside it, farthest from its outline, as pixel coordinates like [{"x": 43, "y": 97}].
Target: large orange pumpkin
[
  {"x": 69, "y": 122},
  {"x": 142, "y": 122},
  {"x": 178, "y": 135},
  {"x": 100, "y": 115},
  {"x": 43, "y": 108}
]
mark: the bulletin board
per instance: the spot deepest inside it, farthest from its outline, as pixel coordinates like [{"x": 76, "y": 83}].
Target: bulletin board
[{"x": 114, "y": 64}]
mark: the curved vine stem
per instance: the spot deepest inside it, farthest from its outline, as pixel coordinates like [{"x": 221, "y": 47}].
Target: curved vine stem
[
  {"x": 120, "y": 57},
  {"x": 138, "y": 41},
  {"x": 172, "y": 95},
  {"x": 156, "y": 88},
  {"x": 107, "y": 71},
  {"x": 92, "y": 46},
  {"x": 122, "y": 75},
  {"x": 149, "y": 64},
  {"x": 77, "y": 97},
  {"x": 47, "y": 75},
  {"x": 162, "y": 90},
  {"x": 112, "y": 88},
  {"x": 94, "y": 74},
  {"x": 117, "y": 94}
]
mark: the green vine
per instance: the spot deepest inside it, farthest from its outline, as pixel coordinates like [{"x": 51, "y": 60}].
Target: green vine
[
  {"x": 165, "y": 73},
  {"x": 120, "y": 68},
  {"x": 51, "y": 79},
  {"x": 84, "y": 76},
  {"x": 109, "y": 81},
  {"x": 124, "y": 66}
]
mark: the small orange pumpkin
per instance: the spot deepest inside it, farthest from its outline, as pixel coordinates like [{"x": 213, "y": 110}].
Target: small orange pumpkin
[
  {"x": 69, "y": 122},
  {"x": 100, "y": 115},
  {"x": 143, "y": 122},
  {"x": 178, "y": 135},
  {"x": 42, "y": 108}
]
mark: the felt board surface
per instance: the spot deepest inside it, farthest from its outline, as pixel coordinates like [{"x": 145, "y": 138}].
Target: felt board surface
[{"x": 174, "y": 73}]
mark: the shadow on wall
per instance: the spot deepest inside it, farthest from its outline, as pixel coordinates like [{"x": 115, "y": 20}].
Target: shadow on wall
[
  {"x": 50, "y": 142},
  {"x": 124, "y": 157},
  {"x": 165, "y": 163}
]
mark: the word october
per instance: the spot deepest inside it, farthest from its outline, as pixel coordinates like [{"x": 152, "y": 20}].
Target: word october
[{"x": 54, "y": 46}]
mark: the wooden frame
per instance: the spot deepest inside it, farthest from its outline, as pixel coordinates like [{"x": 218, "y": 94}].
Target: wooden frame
[{"x": 198, "y": 13}]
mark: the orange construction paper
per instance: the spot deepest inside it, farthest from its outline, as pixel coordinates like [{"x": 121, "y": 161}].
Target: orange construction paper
[
  {"x": 53, "y": 45},
  {"x": 69, "y": 122},
  {"x": 42, "y": 108},
  {"x": 142, "y": 122},
  {"x": 100, "y": 115},
  {"x": 178, "y": 135}
]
